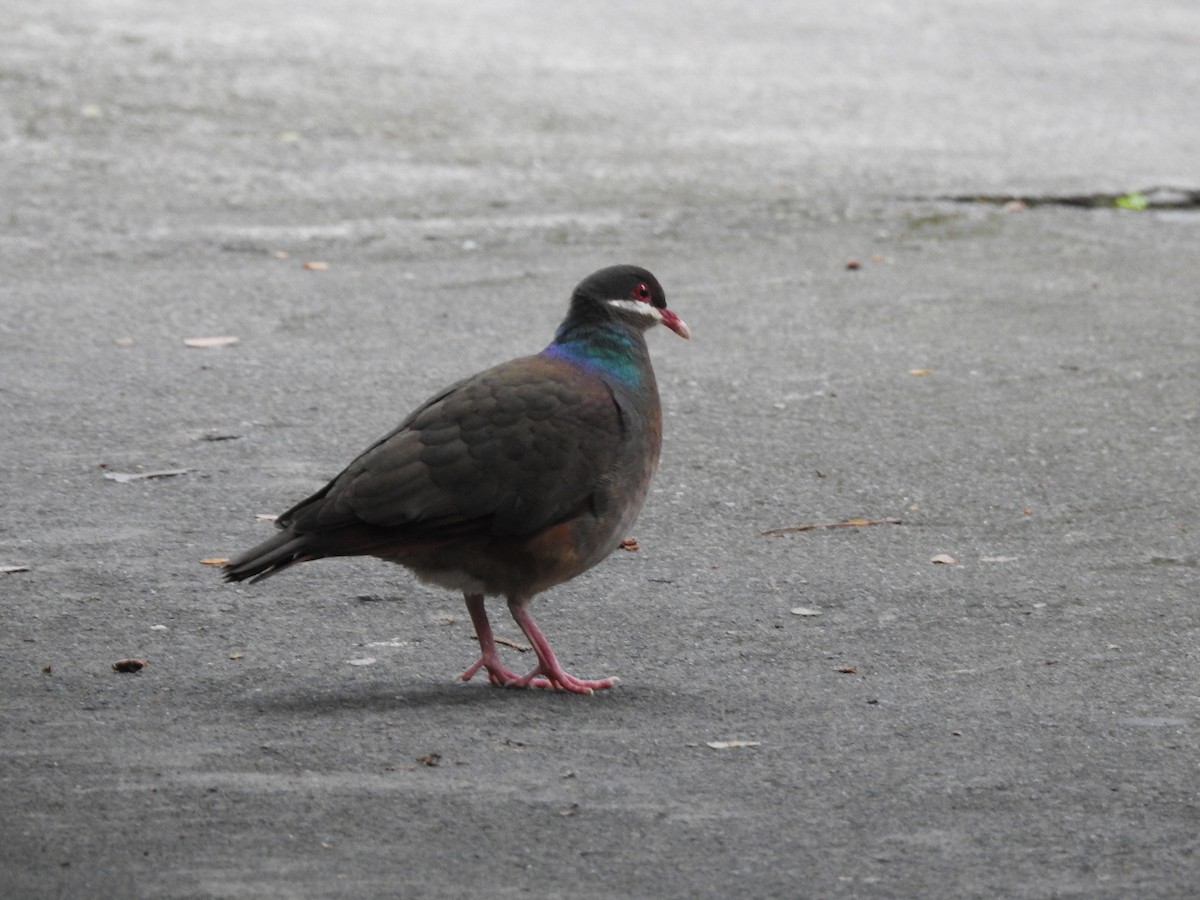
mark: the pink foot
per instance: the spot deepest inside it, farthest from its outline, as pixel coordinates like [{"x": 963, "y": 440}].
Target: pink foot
[
  {"x": 498, "y": 673},
  {"x": 489, "y": 658},
  {"x": 502, "y": 676},
  {"x": 561, "y": 680},
  {"x": 549, "y": 673}
]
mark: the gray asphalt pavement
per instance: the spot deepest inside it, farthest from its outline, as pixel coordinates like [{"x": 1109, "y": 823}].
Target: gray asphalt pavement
[{"x": 376, "y": 199}]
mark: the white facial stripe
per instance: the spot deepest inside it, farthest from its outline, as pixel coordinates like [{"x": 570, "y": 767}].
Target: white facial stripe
[{"x": 637, "y": 306}]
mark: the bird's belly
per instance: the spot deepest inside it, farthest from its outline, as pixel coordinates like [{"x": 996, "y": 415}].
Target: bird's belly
[{"x": 518, "y": 566}]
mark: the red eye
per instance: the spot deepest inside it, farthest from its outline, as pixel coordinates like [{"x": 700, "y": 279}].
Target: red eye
[{"x": 642, "y": 292}]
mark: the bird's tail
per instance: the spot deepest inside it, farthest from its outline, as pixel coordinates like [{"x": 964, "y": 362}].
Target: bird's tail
[{"x": 273, "y": 555}]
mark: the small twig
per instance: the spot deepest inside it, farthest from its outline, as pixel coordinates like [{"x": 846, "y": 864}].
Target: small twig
[
  {"x": 507, "y": 643},
  {"x": 845, "y": 523},
  {"x": 127, "y": 477}
]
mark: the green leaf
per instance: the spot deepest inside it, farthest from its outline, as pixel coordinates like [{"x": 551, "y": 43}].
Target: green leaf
[{"x": 1135, "y": 200}]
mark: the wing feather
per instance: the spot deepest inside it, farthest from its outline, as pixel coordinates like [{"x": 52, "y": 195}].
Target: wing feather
[{"x": 507, "y": 452}]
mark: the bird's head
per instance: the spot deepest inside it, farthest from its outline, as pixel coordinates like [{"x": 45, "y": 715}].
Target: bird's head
[{"x": 629, "y": 294}]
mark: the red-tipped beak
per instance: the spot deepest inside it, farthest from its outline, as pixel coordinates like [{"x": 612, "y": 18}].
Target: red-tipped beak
[{"x": 675, "y": 323}]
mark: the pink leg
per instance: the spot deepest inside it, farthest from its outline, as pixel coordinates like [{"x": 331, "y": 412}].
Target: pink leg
[
  {"x": 489, "y": 657},
  {"x": 548, "y": 673}
]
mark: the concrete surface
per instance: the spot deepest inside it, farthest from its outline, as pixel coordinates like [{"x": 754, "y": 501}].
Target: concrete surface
[{"x": 1022, "y": 723}]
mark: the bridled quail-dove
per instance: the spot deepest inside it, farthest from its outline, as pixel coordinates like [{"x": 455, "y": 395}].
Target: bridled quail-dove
[{"x": 508, "y": 482}]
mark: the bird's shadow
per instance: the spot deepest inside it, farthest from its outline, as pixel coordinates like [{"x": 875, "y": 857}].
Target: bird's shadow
[{"x": 385, "y": 697}]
